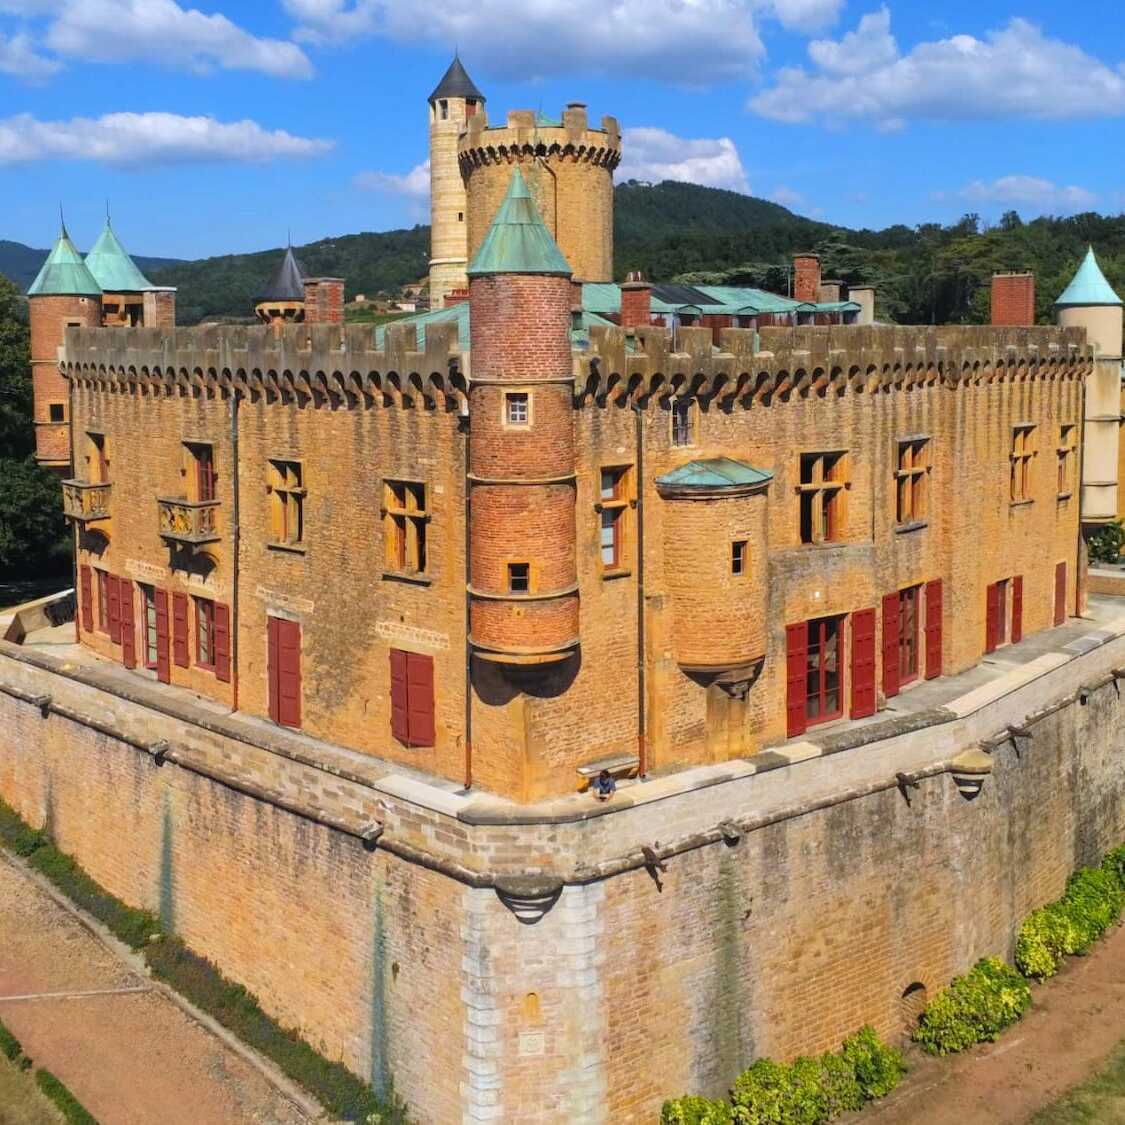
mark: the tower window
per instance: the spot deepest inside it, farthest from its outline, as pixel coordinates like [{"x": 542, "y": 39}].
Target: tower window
[
  {"x": 519, "y": 578},
  {"x": 1068, "y": 456},
  {"x": 56, "y": 411},
  {"x": 683, "y": 421},
  {"x": 443, "y": 107},
  {"x": 460, "y": 216},
  {"x": 517, "y": 409},
  {"x": 738, "y": 557},
  {"x": 470, "y": 107}
]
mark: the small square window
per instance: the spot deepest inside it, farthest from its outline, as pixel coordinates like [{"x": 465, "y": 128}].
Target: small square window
[
  {"x": 519, "y": 578},
  {"x": 738, "y": 557},
  {"x": 517, "y": 408},
  {"x": 56, "y": 411}
]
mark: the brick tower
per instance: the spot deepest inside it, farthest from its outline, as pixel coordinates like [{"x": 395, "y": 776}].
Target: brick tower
[
  {"x": 64, "y": 294},
  {"x": 453, "y": 102},
  {"x": 523, "y": 573}
]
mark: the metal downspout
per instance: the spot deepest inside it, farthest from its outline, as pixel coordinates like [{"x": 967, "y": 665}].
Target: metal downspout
[
  {"x": 468, "y": 613},
  {"x": 236, "y": 533},
  {"x": 642, "y": 748}
]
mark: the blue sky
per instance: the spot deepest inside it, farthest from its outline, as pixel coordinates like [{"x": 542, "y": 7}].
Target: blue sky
[{"x": 214, "y": 129}]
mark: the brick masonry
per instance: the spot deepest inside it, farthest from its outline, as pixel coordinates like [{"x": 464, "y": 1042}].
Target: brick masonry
[{"x": 1013, "y": 300}]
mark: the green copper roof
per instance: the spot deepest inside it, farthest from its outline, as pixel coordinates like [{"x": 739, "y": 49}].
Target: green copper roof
[
  {"x": 715, "y": 473},
  {"x": 1089, "y": 286},
  {"x": 112, "y": 268},
  {"x": 64, "y": 273},
  {"x": 517, "y": 241}
]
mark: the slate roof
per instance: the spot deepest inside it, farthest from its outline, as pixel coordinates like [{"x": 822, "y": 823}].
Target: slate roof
[
  {"x": 112, "y": 267},
  {"x": 714, "y": 474},
  {"x": 287, "y": 282},
  {"x": 64, "y": 273},
  {"x": 456, "y": 83},
  {"x": 1089, "y": 286},
  {"x": 517, "y": 241}
]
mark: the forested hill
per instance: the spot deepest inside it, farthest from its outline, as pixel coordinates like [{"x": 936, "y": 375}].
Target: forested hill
[{"x": 925, "y": 274}]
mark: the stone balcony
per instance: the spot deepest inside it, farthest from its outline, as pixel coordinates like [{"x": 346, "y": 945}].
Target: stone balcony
[
  {"x": 86, "y": 502},
  {"x": 190, "y": 523}
]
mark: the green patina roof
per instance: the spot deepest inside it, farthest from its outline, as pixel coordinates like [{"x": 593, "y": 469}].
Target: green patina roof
[
  {"x": 1089, "y": 286},
  {"x": 714, "y": 473},
  {"x": 64, "y": 273},
  {"x": 112, "y": 267},
  {"x": 517, "y": 241}
]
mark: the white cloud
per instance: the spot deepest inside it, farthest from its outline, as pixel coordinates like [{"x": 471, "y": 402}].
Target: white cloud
[
  {"x": 148, "y": 138},
  {"x": 693, "y": 42},
  {"x": 414, "y": 184},
  {"x": 806, "y": 15},
  {"x": 655, "y": 154},
  {"x": 1030, "y": 192},
  {"x": 788, "y": 197},
  {"x": 19, "y": 59},
  {"x": 1015, "y": 71},
  {"x": 161, "y": 32}
]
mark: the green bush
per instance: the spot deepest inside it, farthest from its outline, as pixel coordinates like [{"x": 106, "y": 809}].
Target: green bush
[
  {"x": 17, "y": 836},
  {"x": 843, "y": 1091},
  {"x": 1105, "y": 544},
  {"x": 67, "y": 1104},
  {"x": 10, "y": 1047},
  {"x": 1115, "y": 863},
  {"x": 771, "y": 1094},
  {"x": 975, "y": 1008},
  {"x": 878, "y": 1068},
  {"x": 691, "y": 1109}
]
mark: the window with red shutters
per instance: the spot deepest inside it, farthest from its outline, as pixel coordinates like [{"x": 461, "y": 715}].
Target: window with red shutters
[
  {"x": 863, "y": 663},
  {"x": 163, "y": 638},
  {"x": 180, "y": 630},
  {"x": 1060, "y": 593},
  {"x": 103, "y": 602},
  {"x": 992, "y": 618},
  {"x": 933, "y": 628},
  {"x": 796, "y": 660},
  {"x": 113, "y": 586},
  {"x": 890, "y": 645},
  {"x": 222, "y": 656},
  {"x": 1017, "y": 608},
  {"x": 824, "y": 665},
  {"x": 412, "y": 698},
  {"x": 284, "y": 668},
  {"x": 86, "y": 597},
  {"x": 909, "y": 609},
  {"x": 128, "y": 623}
]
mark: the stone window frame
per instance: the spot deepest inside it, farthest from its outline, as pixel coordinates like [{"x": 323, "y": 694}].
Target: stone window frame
[
  {"x": 739, "y": 557},
  {"x": 287, "y": 487},
  {"x": 829, "y": 480},
  {"x": 615, "y": 507},
  {"x": 97, "y": 460},
  {"x": 61, "y": 405},
  {"x": 529, "y": 577},
  {"x": 913, "y": 469},
  {"x": 204, "y": 655},
  {"x": 1067, "y": 454},
  {"x": 405, "y": 513},
  {"x": 1021, "y": 458},
  {"x": 683, "y": 422},
  {"x": 201, "y": 488}
]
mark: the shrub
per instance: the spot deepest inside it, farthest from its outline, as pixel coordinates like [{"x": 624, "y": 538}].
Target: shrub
[
  {"x": 842, "y": 1088},
  {"x": 10, "y": 1046},
  {"x": 1106, "y": 543},
  {"x": 975, "y": 1008},
  {"x": 691, "y": 1109},
  {"x": 1115, "y": 863},
  {"x": 17, "y": 836},
  {"x": 1041, "y": 942},
  {"x": 878, "y": 1068},
  {"x": 771, "y": 1094},
  {"x": 70, "y": 1107}
]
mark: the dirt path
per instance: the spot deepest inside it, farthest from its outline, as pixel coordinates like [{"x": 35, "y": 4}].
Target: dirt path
[
  {"x": 1076, "y": 1021},
  {"x": 126, "y": 1051}
]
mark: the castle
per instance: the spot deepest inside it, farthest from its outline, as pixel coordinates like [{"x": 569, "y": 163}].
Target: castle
[{"x": 361, "y": 612}]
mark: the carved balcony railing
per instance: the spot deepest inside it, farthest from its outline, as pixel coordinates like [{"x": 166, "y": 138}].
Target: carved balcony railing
[
  {"x": 189, "y": 522},
  {"x": 85, "y": 502}
]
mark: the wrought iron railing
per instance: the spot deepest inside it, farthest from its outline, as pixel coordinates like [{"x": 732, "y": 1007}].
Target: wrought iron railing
[
  {"x": 85, "y": 501},
  {"x": 188, "y": 521}
]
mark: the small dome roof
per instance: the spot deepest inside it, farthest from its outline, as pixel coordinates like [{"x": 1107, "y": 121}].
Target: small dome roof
[
  {"x": 456, "y": 83},
  {"x": 64, "y": 273},
  {"x": 1088, "y": 286},
  {"x": 714, "y": 475},
  {"x": 287, "y": 282},
  {"x": 517, "y": 241},
  {"x": 112, "y": 267}
]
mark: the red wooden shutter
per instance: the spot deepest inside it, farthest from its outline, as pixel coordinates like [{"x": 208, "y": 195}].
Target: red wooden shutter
[
  {"x": 113, "y": 585},
  {"x": 128, "y": 623},
  {"x": 1017, "y": 608},
  {"x": 180, "y": 630},
  {"x": 86, "y": 597},
  {"x": 163, "y": 638},
  {"x": 420, "y": 698},
  {"x": 288, "y": 671},
  {"x": 400, "y": 697},
  {"x": 221, "y": 642},
  {"x": 796, "y": 671},
  {"x": 890, "y": 645},
  {"x": 863, "y": 663},
  {"x": 1060, "y": 593},
  {"x": 933, "y": 629},
  {"x": 992, "y": 618},
  {"x": 273, "y": 667}
]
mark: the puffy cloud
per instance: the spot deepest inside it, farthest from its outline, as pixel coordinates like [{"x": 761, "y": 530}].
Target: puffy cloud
[
  {"x": 806, "y": 15},
  {"x": 693, "y": 42},
  {"x": 1030, "y": 192},
  {"x": 655, "y": 154},
  {"x": 788, "y": 197},
  {"x": 148, "y": 138},
  {"x": 158, "y": 31},
  {"x": 19, "y": 59},
  {"x": 415, "y": 184},
  {"x": 1015, "y": 71}
]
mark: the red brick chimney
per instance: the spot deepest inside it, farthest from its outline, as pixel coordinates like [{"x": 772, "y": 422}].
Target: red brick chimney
[
  {"x": 806, "y": 277},
  {"x": 455, "y": 297},
  {"x": 636, "y": 302},
  {"x": 324, "y": 300},
  {"x": 1013, "y": 300}
]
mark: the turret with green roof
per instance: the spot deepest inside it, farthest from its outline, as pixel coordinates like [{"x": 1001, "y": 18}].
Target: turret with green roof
[
  {"x": 518, "y": 241},
  {"x": 64, "y": 274},
  {"x": 112, "y": 267}
]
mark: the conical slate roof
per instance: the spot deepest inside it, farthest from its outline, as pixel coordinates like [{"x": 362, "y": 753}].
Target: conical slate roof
[
  {"x": 112, "y": 267},
  {"x": 517, "y": 241},
  {"x": 64, "y": 273},
  {"x": 456, "y": 83},
  {"x": 1089, "y": 286},
  {"x": 287, "y": 282}
]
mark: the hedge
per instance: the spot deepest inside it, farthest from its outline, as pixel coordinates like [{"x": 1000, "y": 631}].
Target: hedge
[
  {"x": 975, "y": 1008},
  {"x": 807, "y": 1091},
  {"x": 67, "y": 1104}
]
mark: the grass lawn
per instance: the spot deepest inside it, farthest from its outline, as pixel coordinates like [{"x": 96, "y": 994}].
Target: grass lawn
[
  {"x": 21, "y": 1103},
  {"x": 1099, "y": 1100},
  {"x": 370, "y": 316}
]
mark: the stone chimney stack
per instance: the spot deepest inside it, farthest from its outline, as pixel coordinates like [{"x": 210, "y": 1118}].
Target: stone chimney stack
[
  {"x": 1013, "y": 300},
  {"x": 864, "y": 296},
  {"x": 160, "y": 308},
  {"x": 636, "y": 302},
  {"x": 806, "y": 277},
  {"x": 324, "y": 300}
]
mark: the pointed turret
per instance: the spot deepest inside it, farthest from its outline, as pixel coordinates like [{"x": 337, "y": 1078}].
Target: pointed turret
[
  {"x": 1088, "y": 287},
  {"x": 283, "y": 297},
  {"x": 64, "y": 274},
  {"x": 456, "y": 83},
  {"x": 518, "y": 240},
  {"x": 112, "y": 267}
]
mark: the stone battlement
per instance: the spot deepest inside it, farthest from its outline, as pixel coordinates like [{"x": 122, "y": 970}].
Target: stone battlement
[{"x": 521, "y": 132}]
